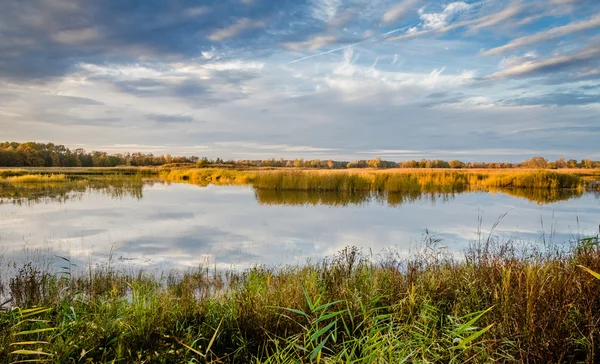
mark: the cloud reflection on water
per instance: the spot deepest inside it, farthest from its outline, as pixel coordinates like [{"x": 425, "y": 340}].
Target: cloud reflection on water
[{"x": 179, "y": 225}]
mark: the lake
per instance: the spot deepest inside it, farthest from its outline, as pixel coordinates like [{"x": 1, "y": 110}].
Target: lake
[{"x": 159, "y": 225}]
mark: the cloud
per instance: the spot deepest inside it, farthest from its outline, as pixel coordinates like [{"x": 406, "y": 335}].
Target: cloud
[
  {"x": 438, "y": 23},
  {"x": 493, "y": 19},
  {"x": 236, "y": 28},
  {"x": 398, "y": 12},
  {"x": 325, "y": 10},
  {"x": 77, "y": 36},
  {"x": 551, "y": 65},
  {"x": 311, "y": 44},
  {"x": 110, "y": 69},
  {"x": 440, "y": 20},
  {"x": 562, "y": 2},
  {"x": 274, "y": 148},
  {"x": 556, "y": 99},
  {"x": 546, "y": 35},
  {"x": 342, "y": 18},
  {"x": 168, "y": 119},
  {"x": 197, "y": 11},
  {"x": 144, "y": 86}
]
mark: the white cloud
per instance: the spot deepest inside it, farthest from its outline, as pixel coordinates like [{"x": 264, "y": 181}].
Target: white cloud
[
  {"x": 393, "y": 152},
  {"x": 361, "y": 82},
  {"x": 440, "y": 20},
  {"x": 235, "y": 29},
  {"x": 398, "y": 12},
  {"x": 478, "y": 102},
  {"x": 438, "y": 23},
  {"x": 556, "y": 63},
  {"x": 238, "y": 65},
  {"x": 560, "y": 2},
  {"x": 513, "y": 61},
  {"x": 546, "y": 35},
  {"x": 493, "y": 19},
  {"x": 313, "y": 44},
  {"x": 325, "y": 10}
]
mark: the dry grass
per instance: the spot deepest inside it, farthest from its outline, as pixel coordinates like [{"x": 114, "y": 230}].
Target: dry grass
[
  {"x": 399, "y": 180},
  {"x": 35, "y": 178}
]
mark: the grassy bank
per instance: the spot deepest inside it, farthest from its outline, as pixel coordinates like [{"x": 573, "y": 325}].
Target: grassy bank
[
  {"x": 34, "y": 178},
  {"x": 390, "y": 180},
  {"x": 79, "y": 171},
  {"x": 497, "y": 303},
  {"x": 294, "y": 187},
  {"x": 373, "y": 180}
]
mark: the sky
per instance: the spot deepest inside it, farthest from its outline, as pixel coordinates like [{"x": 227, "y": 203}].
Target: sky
[{"x": 494, "y": 80}]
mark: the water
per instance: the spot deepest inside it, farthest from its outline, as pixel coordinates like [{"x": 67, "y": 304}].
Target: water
[{"x": 163, "y": 226}]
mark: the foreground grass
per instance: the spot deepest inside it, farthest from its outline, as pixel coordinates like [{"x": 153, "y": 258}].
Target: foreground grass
[{"x": 497, "y": 303}]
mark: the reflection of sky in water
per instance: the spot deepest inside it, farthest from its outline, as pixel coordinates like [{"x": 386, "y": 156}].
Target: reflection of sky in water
[{"x": 183, "y": 225}]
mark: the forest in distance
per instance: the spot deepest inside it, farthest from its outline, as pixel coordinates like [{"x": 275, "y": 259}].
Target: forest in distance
[{"x": 32, "y": 154}]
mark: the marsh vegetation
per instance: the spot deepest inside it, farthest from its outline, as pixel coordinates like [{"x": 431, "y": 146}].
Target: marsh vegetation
[
  {"x": 295, "y": 187},
  {"x": 498, "y": 302}
]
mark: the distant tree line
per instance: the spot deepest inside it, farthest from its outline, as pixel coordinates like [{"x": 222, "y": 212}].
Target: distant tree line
[
  {"x": 51, "y": 155},
  {"x": 535, "y": 162},
  {"x": 32, "y": 154}
]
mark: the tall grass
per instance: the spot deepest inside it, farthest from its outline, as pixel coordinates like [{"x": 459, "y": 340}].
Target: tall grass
[
  {"x": 208, "y": 176},
  {"x": 11, "y": 172},
  {"x": 396, "y": 181},
  {"x": 498, "y": 303},
  {"x": 35, "y": 178}
]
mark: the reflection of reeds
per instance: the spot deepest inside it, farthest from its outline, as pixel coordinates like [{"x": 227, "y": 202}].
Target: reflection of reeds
[
  {"x": 499, "y": 302},
  {"x": 334, "y": 198},
  {"x": 337, "y": 187},
  {"x": 541, "y": 195},
  {"x": 300, "y": 198},
  {"x": 115, "y": 187}
]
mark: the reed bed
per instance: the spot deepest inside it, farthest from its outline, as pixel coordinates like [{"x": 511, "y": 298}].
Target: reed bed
[
  {"x": 11, "y": 172},
  {"x": 498, "y": 303},
  {"x": 209, "y": 176},
  {"x": 350, "y": 181},
  {"x": 81, "y": 171},
  {"x": 35, "y": 178}
]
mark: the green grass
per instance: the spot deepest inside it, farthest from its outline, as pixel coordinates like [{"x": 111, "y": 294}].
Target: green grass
[{"x": 497, "y": 303}]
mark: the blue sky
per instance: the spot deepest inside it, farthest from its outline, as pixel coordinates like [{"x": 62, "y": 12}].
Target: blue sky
[{"x": 343, "y": 79}]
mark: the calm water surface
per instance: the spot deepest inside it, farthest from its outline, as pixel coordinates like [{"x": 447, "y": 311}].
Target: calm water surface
[{"x": 164, "y": 226}]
